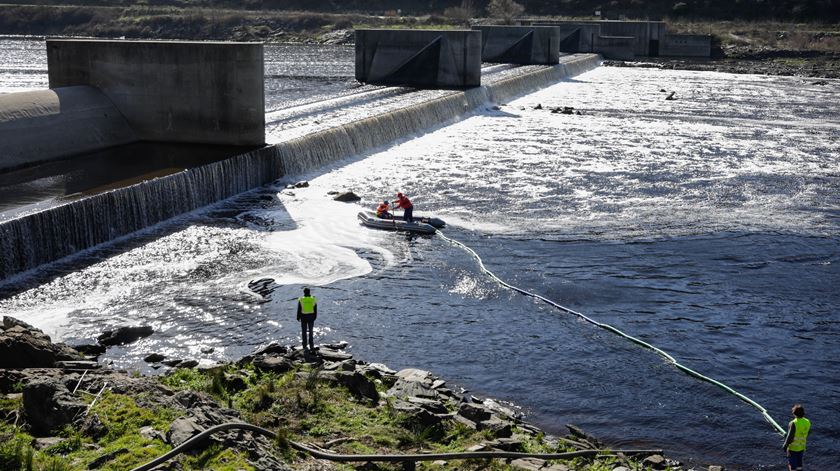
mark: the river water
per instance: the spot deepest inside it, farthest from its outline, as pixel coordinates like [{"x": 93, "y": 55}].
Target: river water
[{"x": 708, "y": 226}]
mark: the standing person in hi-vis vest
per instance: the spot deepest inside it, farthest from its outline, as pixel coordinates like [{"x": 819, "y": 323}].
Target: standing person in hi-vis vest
[
  {"x": 307, "y": 312},
  {"x": 796, "y": 437}
]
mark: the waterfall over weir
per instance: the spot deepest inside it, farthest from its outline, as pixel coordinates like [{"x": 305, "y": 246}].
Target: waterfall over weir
[{"x": 45, "y": 236}]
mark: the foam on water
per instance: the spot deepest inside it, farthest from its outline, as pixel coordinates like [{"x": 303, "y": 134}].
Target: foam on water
[{"x": 325, "y": 245}]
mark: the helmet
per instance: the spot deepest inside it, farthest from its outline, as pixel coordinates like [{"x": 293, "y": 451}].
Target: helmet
[{"x": 386, "y": 202}]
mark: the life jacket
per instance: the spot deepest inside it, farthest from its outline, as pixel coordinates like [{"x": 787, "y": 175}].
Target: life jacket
[
  {"x": 382, "y": 209},
  {"x": 803, "y": 426},
  {"x": 307, "y": 304}
]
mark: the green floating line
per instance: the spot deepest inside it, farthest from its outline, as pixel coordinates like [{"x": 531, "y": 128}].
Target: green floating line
[{"x": 617, "y": 331}]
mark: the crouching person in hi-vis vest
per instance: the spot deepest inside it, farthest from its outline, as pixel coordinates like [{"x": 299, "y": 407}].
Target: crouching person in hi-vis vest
[
  {"x": 307, "y": 312},
  {"x": 797, "y": 435}
]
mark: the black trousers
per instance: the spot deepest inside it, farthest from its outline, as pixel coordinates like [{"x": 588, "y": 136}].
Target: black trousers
[
  {"x": 409, "y": 214},
  {"x": 307, "y": 324}
]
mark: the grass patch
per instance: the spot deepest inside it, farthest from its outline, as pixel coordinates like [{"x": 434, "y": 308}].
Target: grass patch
[{"x": 218, "y": 459}]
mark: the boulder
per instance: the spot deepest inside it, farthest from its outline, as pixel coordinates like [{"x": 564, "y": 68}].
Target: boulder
[
  {"x": 46, "y": 442},
  {"x": 124, "y": 335},
  {"x": 380, "y": 368},
  {"x": 336, "y": 346},
  {"x": 474, "y": 412},
  {"x": 359, "y": 385},
  {"x": 347, "y": 365},
  {"x": 333, "y": 355},
  {"x": 150, "y": 433},
  {"x": 347, "y": 197},
  {"x": 496, "y": 427},
  {"x": 415, "y": 414},
  {"x": 49, "y": 405},
  {"x": 93, "y": 427},
  {"x": 655, "y": 462},
  {"x": 272, "y": 347},
  {"x": 23, "y": 346},
  {"x": 90, "y": 350},
  {"x": 188, "y": 364},
  {"x": 464, "y": 421},
  {"x": 413, "y": 374},
  {"x": 172, "y": 363},
  {"x": 434, "y": 407},
  {"x": 508, "y": 444},
  {"x": 527, "y": 464},
  {"x": 273, "y": 363},
  {"x": 9, "y": 322},
  {"x": 405, "y": 389},
  {"x": 181, "y": 430},
  {"x": 10, "y": 379},
  {"x": 154, "y": 358}
]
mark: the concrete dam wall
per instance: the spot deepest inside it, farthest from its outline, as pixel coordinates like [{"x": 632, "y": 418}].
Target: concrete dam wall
[
  {"x": 49, "y": 124},
  {"x": 200, "y": 92},
  {"x": 46, "y": 236}
]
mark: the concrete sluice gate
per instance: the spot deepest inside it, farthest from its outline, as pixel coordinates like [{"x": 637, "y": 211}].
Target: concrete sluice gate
[
  {"x": 39, "y": 237},
  {"x": 520, "y": 44},
  {"x": 419, "y": 58}
]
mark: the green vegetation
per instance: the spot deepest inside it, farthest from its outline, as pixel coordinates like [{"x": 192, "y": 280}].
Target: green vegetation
[
  {"x": 122, "y": 419},
  {"x": 297, "y": 404}
]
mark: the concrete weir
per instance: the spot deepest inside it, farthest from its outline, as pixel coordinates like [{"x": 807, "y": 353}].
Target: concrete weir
[{"x": 41, "y": 237}]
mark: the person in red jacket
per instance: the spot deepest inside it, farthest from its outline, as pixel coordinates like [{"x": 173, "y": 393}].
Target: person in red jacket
[{"x": 408, "y": 208}]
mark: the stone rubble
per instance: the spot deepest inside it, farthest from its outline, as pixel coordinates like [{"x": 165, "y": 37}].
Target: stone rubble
[{"x": 49, "y": 403}]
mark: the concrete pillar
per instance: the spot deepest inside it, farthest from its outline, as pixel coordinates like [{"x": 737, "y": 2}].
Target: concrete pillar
[
  {"x": 520, "y": 44},
  {"x": 419, "y": 58},
  {"x": 172, "y": 91}
]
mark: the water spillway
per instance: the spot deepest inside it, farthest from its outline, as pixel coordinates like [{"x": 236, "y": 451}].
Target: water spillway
[{"x": 39, "y": 237}]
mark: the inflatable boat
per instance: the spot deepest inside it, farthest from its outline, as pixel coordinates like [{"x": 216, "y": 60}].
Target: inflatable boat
[
  {"x": 369, "y": 219},
  {"x": 437, "y": 223}
]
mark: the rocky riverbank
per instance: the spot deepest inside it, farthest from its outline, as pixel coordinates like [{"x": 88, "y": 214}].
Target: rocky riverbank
[
  {"x": 59, "y": 410},
  {"x": 788, "y": 63}
]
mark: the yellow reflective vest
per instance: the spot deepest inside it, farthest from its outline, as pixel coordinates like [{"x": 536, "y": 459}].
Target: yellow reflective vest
[
  {"x": 307, "y": 304},
  {"x": 803, "y": 426}
]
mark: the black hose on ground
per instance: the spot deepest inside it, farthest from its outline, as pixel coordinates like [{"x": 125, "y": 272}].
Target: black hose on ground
[{"x": 378, "y": 458}]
